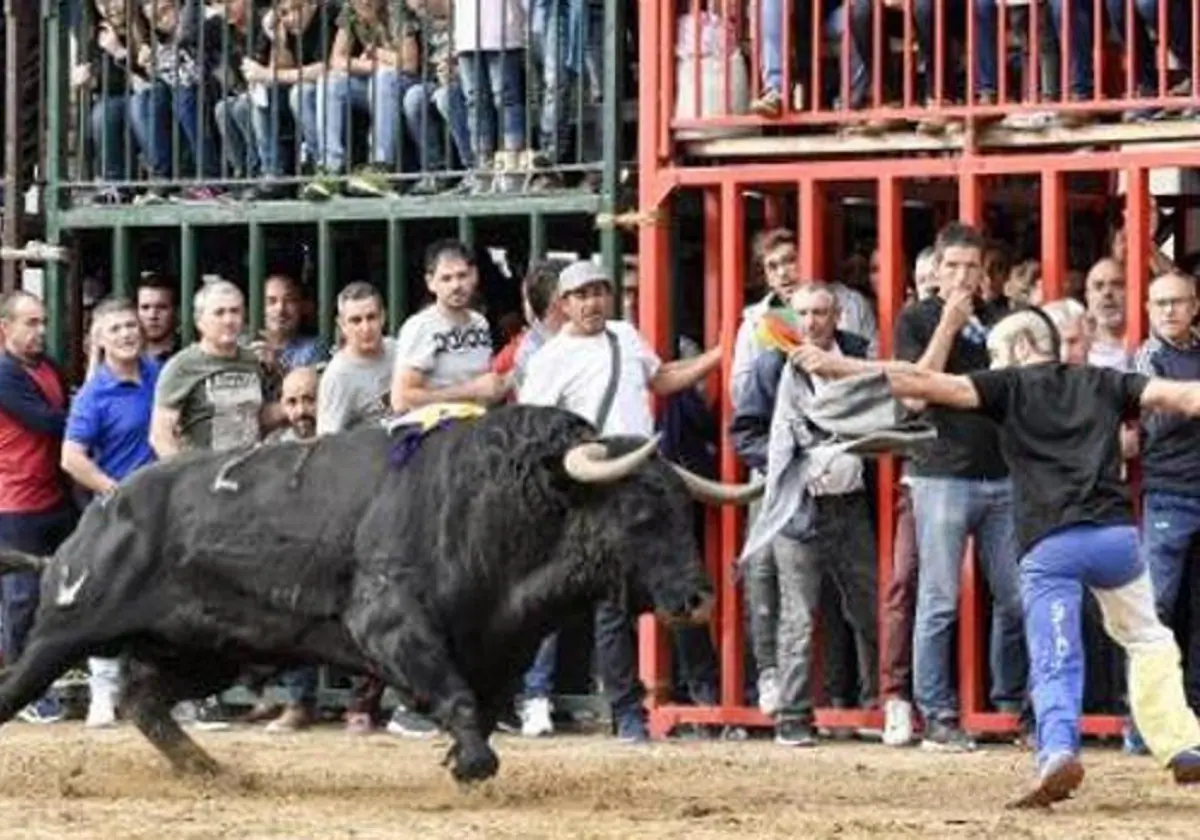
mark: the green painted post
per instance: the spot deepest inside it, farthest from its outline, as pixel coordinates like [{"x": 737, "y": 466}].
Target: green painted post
[
  {"x": 397, "y": 276},
  {"x": 257, "y": 276},
  {"x": 122, "y": 251},
  {"x": 57, "y": 101},
  {"x": 326, "y": 266},
  {"x": 466, "y": 230},
  {"x": 187, "y": 282},
  {"x": 537, "y": 236}
]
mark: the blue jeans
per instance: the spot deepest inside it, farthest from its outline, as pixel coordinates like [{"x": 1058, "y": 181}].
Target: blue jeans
[
  {"x": 235, "y": 125},
  {"x": 35, "y": 533},
  {"x": 299, "y": 686},
  {"x": 109, "y": 116},
  {"x": 564, "y": 33},
  {"x": 423, "y": 127},
  {"x": 772, "y": 57},
  {"x": 946, "y": 511},
  {"x": 954, "y": 20},
  {"x": 380, "y": 94},
  {"x": 539, "y": 679},
  {"x": 1105, "y": 559},
  {"x": 493, "y": 83},
  {"x": 1145, "y": 24},
  {"x": 1170, "y": 532},
  {"x": 452, "y": 105},
  {"x": 302, "y": 101},
  {"x": 153, "y": 112},
  {"x": 265, "y": 121}
]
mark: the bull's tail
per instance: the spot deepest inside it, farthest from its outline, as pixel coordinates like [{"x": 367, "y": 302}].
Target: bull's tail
[{"x": 12, "y": 560}]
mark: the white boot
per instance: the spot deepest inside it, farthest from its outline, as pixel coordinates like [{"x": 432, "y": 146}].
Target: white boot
[
  {"x": 535, "y": 718},
  {"x": 897, "y": 722},
  {"x": 103, "y": 686}
]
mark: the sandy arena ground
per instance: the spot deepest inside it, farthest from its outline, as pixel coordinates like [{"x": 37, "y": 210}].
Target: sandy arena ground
[{"x": 64, "y": 782}]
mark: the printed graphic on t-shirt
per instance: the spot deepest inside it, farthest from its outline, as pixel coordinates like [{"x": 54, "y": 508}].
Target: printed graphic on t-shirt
[
  {"x": 458, "y": 339},
  {"x": 236, "y": 397}
]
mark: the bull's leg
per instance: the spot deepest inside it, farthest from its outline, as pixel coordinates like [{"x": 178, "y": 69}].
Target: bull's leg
[
  {"x": 413, "y": 659},
  {"x": 152, "y": 690},
  {"x": 39, "y": 665}
]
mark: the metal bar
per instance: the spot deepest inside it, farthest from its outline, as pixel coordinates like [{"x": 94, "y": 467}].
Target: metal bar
[
  {"x": 466, "y": 230},
  {"x": 56, "y": 102},
  {"x": 1137, "y": 253},
  {"x": 257, "y": 279},
  {"x": 397, "y": 275},
  {"x": 614, "y": 95},
  {"x": 1054, "y": 235},
  {"x": 537, "y": 236},
  {"x": 812, "y": 223},
  {"x": 121, "y": 261},
  {"x": 187, "y": 283},
  {"x": 326, "y": 266}
]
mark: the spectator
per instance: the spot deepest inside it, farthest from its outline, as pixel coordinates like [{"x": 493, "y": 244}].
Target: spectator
[
  {"x": 1145, "y": 53},
  {"x": 429, "y": 84},
  {"x": 36, "y": 513},
  {"x": 1171, "y": 460},
  {"x": 281, "y": 348},
  {"x": 490, "y": 40},
  {"x": 1074, "y": 329},
  {"x": 156, "y": 315},
  {"x": 1105, "y": 296},
  {"x": 838, "y": 540},
  {"x": 444, "y": 352},
  {"x": 543, "y": 314},
  {"x": 604, "y": 371},
  {"x": 448, "y": 95},
  {"x": 243, "y": 40},
  {"x": 960, "y": 487},
  {"x": 211, "y": 396},
  {"x": 108, "y": 438}
]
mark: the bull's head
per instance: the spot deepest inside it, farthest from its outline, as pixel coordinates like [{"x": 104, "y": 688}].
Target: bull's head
[{"x": 656, "y": 528}]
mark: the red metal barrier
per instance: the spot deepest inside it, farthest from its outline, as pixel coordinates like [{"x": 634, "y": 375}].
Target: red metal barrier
[{"x": 813, "y": 183}]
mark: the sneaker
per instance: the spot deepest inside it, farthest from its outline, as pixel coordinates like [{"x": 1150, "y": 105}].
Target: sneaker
[
  {"x": 631, "y": 729},
  {"x": 769, "y": 105},
  {"x": 45, "y": 710},
  {"x": 1058, "y": 778},
  {"x": 293, "y": 718},
  {"x": 1131, "y": 740},
  {"x": 102, "y": 712},
  {"x": 795, "y": 733},
  {"x": 1186, "y": 766},
  {"x": 408, "y": 725},
  {"x": 321, "y": 188},
  {"x": 897, "y": 722},
  {"x": 946, "y": 737},
  {"x": 369, "y": 182},
  {"x": 535, "y": 717},
  {"x": 211, "y": 716},
  {"x": 359, "y": 723},
  {"x": 768, "y": 692}
]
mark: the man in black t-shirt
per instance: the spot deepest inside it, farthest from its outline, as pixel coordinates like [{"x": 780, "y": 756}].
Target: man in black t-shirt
[
  {"x": 959, "y": 488},
  {"x": 1059, "y": 429}
]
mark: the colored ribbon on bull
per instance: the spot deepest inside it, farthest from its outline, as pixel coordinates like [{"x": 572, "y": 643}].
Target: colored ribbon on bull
[
  {"x": 780, "y": 329},
  {"x": 411, "y": 428}
]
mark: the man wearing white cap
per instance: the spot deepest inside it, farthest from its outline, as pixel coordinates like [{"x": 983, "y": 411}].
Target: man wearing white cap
[{"x": 604, "y": 371}]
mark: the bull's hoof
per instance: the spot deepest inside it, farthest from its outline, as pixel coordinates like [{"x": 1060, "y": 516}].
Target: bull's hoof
[{"x": 475, "y": 766}]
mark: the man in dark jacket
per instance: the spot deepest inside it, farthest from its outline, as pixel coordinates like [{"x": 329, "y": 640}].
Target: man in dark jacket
[{"x": 837, "y": 539}]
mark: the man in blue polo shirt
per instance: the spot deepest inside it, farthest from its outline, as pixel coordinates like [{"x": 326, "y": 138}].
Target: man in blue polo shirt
[{"x": 107, "y": 438}]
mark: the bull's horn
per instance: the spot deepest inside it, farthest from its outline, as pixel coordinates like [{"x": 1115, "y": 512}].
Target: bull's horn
[
  {"x": 716, "y": 492},
  {"x": 588, "y": 463},
  {"x": 18, "y": 561}
]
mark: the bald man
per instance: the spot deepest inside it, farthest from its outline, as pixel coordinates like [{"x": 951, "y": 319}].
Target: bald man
[
  {"x": 1058, "y": 435},
  {"x": 298, "y": 397},
  {"x": 1104, "y": 292}
]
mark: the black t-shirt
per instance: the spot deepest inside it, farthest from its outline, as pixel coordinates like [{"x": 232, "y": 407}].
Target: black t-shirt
[
  {"x": 312, "y": 46},
  {"x": 1059, "y": 431},
  {"x": 967, "y": 445}
]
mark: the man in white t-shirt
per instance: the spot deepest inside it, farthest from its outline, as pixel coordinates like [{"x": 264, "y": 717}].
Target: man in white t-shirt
[
  {"x": 444, "y": 352},
  {"x": 573, "y": 371}
]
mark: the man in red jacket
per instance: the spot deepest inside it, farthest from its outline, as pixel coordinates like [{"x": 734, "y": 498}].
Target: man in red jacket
[{"x": 36, "y": 513}]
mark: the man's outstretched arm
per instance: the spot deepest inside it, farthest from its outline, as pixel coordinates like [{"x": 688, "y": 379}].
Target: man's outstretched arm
[
  {"x": 1178, "y": 397},
  {"x": 907, "y": 380}
]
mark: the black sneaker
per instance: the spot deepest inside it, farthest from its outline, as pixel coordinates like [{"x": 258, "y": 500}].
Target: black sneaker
[
  {"x": 795, "y": 733},
  {"x": 946, "y": 737}
]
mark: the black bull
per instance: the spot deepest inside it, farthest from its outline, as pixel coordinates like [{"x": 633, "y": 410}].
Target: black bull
[{"x": 441, "y": 576}]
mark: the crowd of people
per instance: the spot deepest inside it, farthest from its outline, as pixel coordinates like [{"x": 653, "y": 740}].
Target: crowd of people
[{"x": 450, "y": 95}]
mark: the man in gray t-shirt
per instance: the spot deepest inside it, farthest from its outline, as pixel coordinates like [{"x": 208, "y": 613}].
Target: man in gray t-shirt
[
  {"x": 354, "y": 386},
  {"x": 444, "y": 352}
]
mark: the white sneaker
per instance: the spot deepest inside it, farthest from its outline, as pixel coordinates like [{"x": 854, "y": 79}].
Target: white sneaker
[
  {"x": 102, "y": 712},
  {"x": 897, "y": 722},
  {"x": 535, "y": 718},
  {"x": 768, "y": 692}
]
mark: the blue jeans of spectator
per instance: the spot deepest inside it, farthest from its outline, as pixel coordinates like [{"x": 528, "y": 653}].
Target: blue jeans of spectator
[
  {"x": 34, "y": 533},
  {"x": 539, "y": 679},
  {"x": 1170, "y": 532},
  {"x": 563, "y": 35},
  {"x": 423, "y": 127},
  {"x": 452, "y": 105},
  {"x": 236, "y": 127},
  {"x": 954, "y": 21},
  {"x": 1105, "y": 559},
  {"x": 379, "y": 94},
  {"x": 1178, "y": 37},
  {"x": 299, "y": 686},
  {"x": 772, "y": 58},
  {"x": 265, "y": 123},
  {"x": 155, "y": 111},
  {"x": 302, "y": 100},
  {"x": 109, "y": 116},
  {"x": 946, "y": 511},
  {"x": 494, "y": 78}
]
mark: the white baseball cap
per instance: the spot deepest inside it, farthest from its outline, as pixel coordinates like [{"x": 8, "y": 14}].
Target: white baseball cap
[{"x": 579, "y": 274}]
